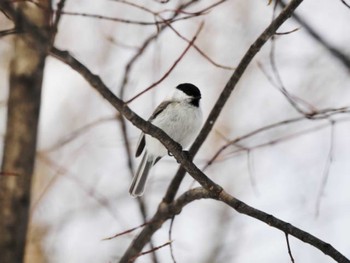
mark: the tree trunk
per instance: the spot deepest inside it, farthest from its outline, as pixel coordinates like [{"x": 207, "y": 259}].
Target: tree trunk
[{"x": 26, "y": 75}]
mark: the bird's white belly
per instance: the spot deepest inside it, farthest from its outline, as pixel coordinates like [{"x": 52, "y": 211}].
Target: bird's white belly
[{"x": 181, "y": 122}]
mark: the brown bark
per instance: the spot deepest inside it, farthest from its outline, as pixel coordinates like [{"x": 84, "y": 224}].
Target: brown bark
[{"x": 26, "y": 74}]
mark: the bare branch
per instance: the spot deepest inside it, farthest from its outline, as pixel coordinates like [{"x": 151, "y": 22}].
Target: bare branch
[
  {"x": 167, "y": 211},
  {"x": 326, "y": 170},
  {"x": 126, "y": 21},
  {"x": 202, "y": 53},
  {"x": 345, "y": 3},
  {"x": 296, "y": 102},
  {"x": 268, "y": 143},
  {"x": 292, "y": 99},
  {"x": 58, "y": 13},
  {"x": 288, "y": 247},
  {"x": 171, "y": 68},
  {"x": 287, "y": 32},
  {"x": 201, "y": 12},
  {"x": 7, "y": 32},
  {"x": 251, "y": 171},
  {"x": 146, "y": 43},
  {"x": 243, "y": 208},
  {"x": 126, "y": 231},
  {"x": 149, "y": 251},
  {"x": 174, "y": 11},
  {"x": 171, "y": 239}
]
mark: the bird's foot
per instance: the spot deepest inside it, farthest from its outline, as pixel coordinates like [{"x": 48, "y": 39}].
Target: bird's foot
[{"x": 187, "y": 153}]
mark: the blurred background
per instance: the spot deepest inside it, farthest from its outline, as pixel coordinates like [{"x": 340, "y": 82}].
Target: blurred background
[{"x": 297, "y": 170}]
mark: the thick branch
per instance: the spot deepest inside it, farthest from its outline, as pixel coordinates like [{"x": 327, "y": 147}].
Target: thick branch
[{"x": 167, "y": 211}]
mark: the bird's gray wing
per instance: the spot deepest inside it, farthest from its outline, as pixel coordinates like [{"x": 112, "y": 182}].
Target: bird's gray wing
[
  {"x": 159, "y": 109},
  {"x": 141, "y": 143}
]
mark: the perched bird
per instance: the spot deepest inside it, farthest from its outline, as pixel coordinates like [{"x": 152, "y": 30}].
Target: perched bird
[{"x": 181, "y": 118}]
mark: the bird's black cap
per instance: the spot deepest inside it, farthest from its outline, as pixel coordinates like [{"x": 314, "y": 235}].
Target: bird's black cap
[{"x": 190, "y": 90}]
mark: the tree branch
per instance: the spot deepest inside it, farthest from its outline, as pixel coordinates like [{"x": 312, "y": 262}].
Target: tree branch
[{"x": 168, "y": 210}]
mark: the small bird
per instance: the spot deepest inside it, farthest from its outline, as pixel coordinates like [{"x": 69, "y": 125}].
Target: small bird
[{"x": 181, "y": 118}]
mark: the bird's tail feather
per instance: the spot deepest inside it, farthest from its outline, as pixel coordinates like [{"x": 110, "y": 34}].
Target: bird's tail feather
[{"x": 139, "y": 181}]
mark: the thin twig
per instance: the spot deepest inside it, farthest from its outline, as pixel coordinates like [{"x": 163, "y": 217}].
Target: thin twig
[
  {"x": 118, "y": 43},
  {"x": 126, "y": 231},
  {"x": 268, "y": 143},
  {"x": 58, "y": 13},
  {"x": 149, "y": 251},
  {"x": 288, "y": 247},
  {"x": 280, "y": 86},
  {"x": 171, "y": 68},
  {"x": 126, "y": 21},
  {"x": 201, "y": 12},
  {"x": 281, "y": 139},
  {"x": 145, "y": 45},
  {"x": 251, "y": 171},
  {"x": 9, "y": 32},
  {"x": 202, "y": 53},
  {"x": 326, "y": 170},
  {"x": 171, "y": 239},
  {"x": 287, "y": 32},
  {"x": 292, "y": 99},
  {"x": 250, "y": 134},
  {"x": 174, "y": 11}
]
